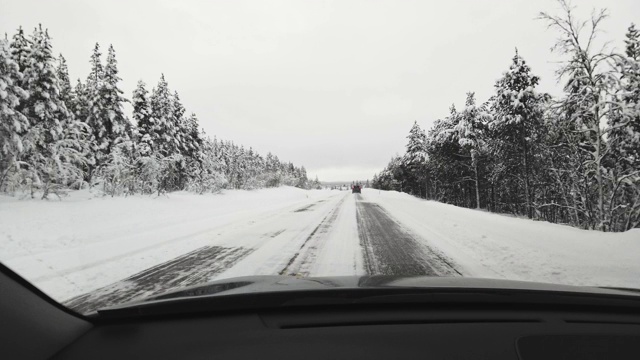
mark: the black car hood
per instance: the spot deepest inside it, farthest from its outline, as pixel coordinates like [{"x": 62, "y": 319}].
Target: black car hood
[
  {"x": 264, "y": 284},
  {"x": 273, "y": 292}
]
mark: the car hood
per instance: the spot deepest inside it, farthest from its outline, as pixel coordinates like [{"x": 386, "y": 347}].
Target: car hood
[
  {"x": 272, "y": 292},
  {"x": 269, "y": 284}
]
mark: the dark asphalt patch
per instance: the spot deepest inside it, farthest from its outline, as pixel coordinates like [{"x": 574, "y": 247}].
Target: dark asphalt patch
[
  {"x": 389, "y": 249},
  {"x": 308, "y": 207},
  {"x": 304, "y": 208},
  {"x": 275, "y": 233},
  {"x": 193, "y": 268}
]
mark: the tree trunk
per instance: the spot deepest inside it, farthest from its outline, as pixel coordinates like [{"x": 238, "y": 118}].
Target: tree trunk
[
  {"x": 601, "y": 214},
  {"x": 426, "y": 189},
  {"x": 493, "y": 197},
  {"x": 474, "y": 159},
  {"x": 526, "y": 176}
]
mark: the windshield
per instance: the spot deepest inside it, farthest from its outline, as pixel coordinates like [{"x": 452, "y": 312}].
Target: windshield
[{"x": 151, "y": 146}]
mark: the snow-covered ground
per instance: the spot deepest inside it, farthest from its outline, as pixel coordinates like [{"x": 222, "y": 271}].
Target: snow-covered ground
[
  {"x": 498, "y": 246},
  {"x": 84, "y": 243}
]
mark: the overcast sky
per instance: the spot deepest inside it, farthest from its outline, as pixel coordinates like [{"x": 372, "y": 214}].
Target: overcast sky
[{"x": 331, "y": 85}]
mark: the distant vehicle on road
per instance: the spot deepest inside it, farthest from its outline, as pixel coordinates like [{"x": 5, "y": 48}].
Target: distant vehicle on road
[{"x": 356, "y": 189}]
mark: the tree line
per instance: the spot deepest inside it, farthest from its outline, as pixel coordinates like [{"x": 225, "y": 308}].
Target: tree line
[
  {"x": 572, "y": 159},
  {"x": 55, "y": 136}
]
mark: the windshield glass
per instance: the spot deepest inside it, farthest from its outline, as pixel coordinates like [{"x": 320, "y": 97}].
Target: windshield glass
[{"x": 150, "y": 146}]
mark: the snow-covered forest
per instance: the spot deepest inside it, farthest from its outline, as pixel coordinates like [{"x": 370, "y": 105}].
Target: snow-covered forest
[
  {"x": 572, "y": 159},
  {"x": 55, "y": 136}
]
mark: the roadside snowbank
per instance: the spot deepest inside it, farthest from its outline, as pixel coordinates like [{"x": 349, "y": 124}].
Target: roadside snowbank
[
  {"x": 498, "y": 246},
  {"x": 83, "y": 242}
]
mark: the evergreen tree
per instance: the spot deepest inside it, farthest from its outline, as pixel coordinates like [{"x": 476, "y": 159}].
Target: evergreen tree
[
  {"x": 44, "y": 107},
  {"x": 118, "y": 126},
  {"x": 192, "y": 141},
  {"x": 415, "y": 159},
  {"x": 95, "y": 111},
  {"x": 97, "y": 71},
  {"x": 13, "y": 124},
  {"x": 517, "y": 120},
  {"x": 66, "y": 91},
  {"x": 53, "y": 159},
  {"x": 142, "y": 117},
  {"x": 178, "y": 125},
  {"x": 162, "y": 113},
  {"x": 469, "y": 133},
  {"x": 20, "y": 48},
  {"x": 80, "y": 106}
]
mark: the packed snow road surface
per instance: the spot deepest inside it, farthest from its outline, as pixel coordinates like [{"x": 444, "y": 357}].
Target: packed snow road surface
[{"x": 342, "y": 234}]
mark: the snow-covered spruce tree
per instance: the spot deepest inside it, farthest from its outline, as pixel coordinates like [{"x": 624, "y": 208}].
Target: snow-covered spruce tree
[
  {"x": 92, "y": 97},
  {"x": 163, "y": 135},
  {"x": 289, "y": 175},
  {"x": 106, "y": 119},
  {"x": 118, "y": 172},
  {"x": 20, "y": 47},
  {"x": 208, "y": 176},
  {"x": 146, "y": 160},
  {"x": 178, "y": 123},
  {"x": 118, "y": 169},
  {"x": 80, "y": 109},
  {"x": 301, "y": 176},
  {"x": 13, "y": 124},
  {"x": 469, "y": 132},
  {"x": 192, "y": 140},
  {"x": 179, "y": 128},
  {"x": 66, "y": 91},
  {"x": 80, "y": 103},
  {"x": 415, "y": 161},
  {"x": 516, "y": 123},
  {"x": 143, "y": 119},
  {"x": 272, "y": 168},
  {"x": 118, "y": 126},
  {"x": 76, "y": 133},
  {"x": 163, "y": 129},
  {"x": 593, "y": 74},
  {"x": 449, "y": 162},
  {"x": 317, "y": 185},
  {"x": 52, "y": 159},
  {"x": 239, "y": 166},
  {"x": 192, "y": 147},
  {"x": 256, "y": 172}
]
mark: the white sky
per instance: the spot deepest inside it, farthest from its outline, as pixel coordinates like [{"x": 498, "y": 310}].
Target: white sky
[{"x": 331, "y": 85}]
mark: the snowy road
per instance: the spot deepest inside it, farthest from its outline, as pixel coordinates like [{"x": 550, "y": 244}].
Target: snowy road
[
  {"x": 102, "y": 250},
  {"x": 342, "y": 234}
]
